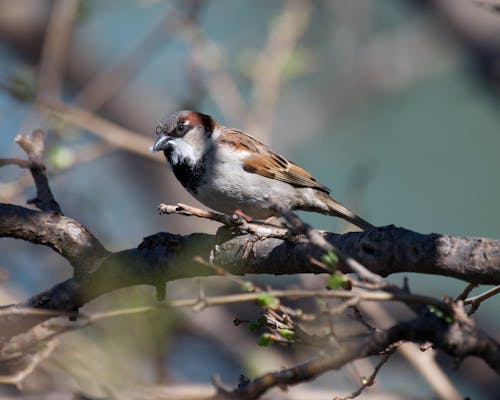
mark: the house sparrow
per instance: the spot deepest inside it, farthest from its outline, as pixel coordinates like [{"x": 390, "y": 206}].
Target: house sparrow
[{"x": 227, "y": 170}]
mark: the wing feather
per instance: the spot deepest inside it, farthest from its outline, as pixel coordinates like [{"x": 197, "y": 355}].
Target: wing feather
[{"x": 261, "y": 160}]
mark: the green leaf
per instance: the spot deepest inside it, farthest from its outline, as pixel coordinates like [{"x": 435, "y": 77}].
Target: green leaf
[
  {"x": 330, "y": 259},
  {"x": 266, "y": 300},
  {"x": 61, "y": 157},
  {"x": 336, "y": 282},
  {"x": 441, "y": 315},
  {"x": 321, "y": 303},
  {"x": 253, "y": 326},
  {"x": 265, "y": 340},
  {"x": 22, "y": 84},
  {"x": 247, "y": 287},
  {"x": 300, "y": 62},
  {"x": 287, "y": 333}
]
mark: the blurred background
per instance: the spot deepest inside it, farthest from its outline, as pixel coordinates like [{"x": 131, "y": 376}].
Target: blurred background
[{"x": 393, "y": 104}]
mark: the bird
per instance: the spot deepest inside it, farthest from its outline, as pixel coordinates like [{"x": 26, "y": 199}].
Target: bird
[{"x": 229, "y": 170}]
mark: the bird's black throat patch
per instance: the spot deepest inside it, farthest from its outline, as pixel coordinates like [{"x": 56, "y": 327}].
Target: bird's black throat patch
[{"x": 188, "y": 174}]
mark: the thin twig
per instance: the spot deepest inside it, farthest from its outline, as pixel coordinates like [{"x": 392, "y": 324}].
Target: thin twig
[
  {"x": 34, "y": 147},
  {"x": 15, "y": 161},
  {"x": 51, "y": 328},
  {"x": 475, "y": 301},
  {"x": 423, "y": 362},
  {"x": 9, "y": 191},
  {"x": 469, "y": 288},
  {"x": 260, "y": 228},
  {"x": 369, "y": 381},
  {"x": 36, "y": 359}
]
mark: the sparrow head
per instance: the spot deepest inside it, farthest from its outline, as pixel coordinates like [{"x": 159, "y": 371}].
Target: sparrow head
[{"x": 184, "y": 133}]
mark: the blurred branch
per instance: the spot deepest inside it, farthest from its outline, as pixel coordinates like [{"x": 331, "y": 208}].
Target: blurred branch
[
  {"x": 15, "y": 161},
  {"x": 207, "y": 56},
  {"x": 47, "y": 330},
  {"x": 10, "y": 192},
  {"x": 35, "y": 359},
  {"x": 55, "y": 46},
  {"x": 271, "y": 62},
  {"x": 197, "y": 391},
  {"x": 103, "y": 86},
  {"x": 490, "y": 5},
  {"x": 108, "y": 131},
  {"x": 475, "y": 26}
]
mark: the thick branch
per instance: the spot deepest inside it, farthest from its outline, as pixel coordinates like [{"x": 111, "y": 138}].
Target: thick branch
[
  {"x": 166, "y": 257},
  {"x": 65, "y": 235}
]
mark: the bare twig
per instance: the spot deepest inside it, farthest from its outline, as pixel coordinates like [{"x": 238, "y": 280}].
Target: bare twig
[
  {"x": 308, "y": 294},
  {"x": 469, "y": 288},
  {"x": 260, "y": 228},
  {"x": 423, "y": 362},
  {"x": 21, "y": 344},
  {"x": 10, "y": 191},
  {"x": 35, "y": 360},
  {"x": 15, "y": 161},
  {"x": 34, "y": 147},
  {"x": 476, "y": 301},
  {"x": 370, "y": 380}
]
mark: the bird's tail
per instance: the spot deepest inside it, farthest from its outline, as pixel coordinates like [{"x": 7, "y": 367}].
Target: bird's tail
[{"x": 338, "y": 210}]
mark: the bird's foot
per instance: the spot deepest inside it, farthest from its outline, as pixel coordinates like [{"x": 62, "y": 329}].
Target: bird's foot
[{"x": 241, "y": 214}]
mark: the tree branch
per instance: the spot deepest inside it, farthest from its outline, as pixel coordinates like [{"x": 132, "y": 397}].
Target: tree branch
[
  {"x": 165, "y": 257},
  {"x": 64, "y": 235},
  {"x": 34, "y": 147},
  {"x": 459, "y": 340}
]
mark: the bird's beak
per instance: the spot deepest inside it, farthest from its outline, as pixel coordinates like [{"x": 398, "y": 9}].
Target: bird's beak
[{"x": 160, "y": 143}]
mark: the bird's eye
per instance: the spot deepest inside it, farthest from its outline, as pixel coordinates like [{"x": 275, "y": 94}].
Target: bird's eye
[
  {"x": 159, "y": 130},
  {"x": 182, "y": 129}
]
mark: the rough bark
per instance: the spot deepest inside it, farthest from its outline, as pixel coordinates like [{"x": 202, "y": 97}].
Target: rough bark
[{"x": 165, "y": 257}]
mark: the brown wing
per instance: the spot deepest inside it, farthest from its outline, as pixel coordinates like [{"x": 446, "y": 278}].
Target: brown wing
[{"x": 264, "y": 162}]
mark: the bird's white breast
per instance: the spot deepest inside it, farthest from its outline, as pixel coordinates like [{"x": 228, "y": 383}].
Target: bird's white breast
[{"x": 227, "y": 186}]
